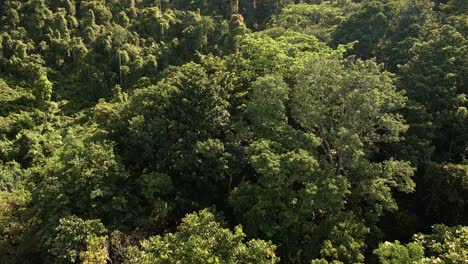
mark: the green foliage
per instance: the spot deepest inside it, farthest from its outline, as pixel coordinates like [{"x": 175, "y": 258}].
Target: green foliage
[
  {"x": 42, "y": 90},
  {"x": 367, "y": 26},
  {"x": 321, "y": 104},
  {"x": 201, "y": 239},
  {"x": 119, "y": 118},
  {"x": 96, "y": 251},
  {"x": 84, "y": 179},
  {"x": 318, "y": 20},
  {"x": 75, "y": 237},
  {"x": 14, "y": 224},
  {"x": 415, "y": 19},
  {"x": 13, "y": 99},
  {"x": 437, "y": 68},
  {"x": 389, "y": 253},
  {"x": 444, "y": 245},
  {"x": 434, "y": 78},
  {"x": 12, "y": 176},
  {"x": 267, "y": 106},
  {"x": 237, "y": 30},
  {"x": 311, "y": 169},
  {"x": 345, "y": 241},
  {"x": 449, "y": 185},
  {"x": 277, "y": 51}
]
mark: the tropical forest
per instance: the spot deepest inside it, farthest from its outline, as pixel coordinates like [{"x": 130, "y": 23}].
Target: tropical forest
[{"x": 233, "y": 131}]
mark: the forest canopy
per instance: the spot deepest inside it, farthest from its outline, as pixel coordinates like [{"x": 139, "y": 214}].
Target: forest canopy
[{"x": 233, "y": 131}]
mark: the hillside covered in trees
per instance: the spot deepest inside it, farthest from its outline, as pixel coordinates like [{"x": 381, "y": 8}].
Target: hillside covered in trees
[{"x": 233, "y": 131}]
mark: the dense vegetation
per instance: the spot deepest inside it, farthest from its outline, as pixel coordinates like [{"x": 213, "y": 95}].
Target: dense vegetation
[{"x": 233, "y": 131}]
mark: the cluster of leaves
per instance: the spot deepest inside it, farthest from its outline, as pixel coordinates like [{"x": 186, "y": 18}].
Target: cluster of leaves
[
  {"x": 443, "y": 245},
  {"x": 237, "y": 131},
  {"x": 201, "y": 239}
]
